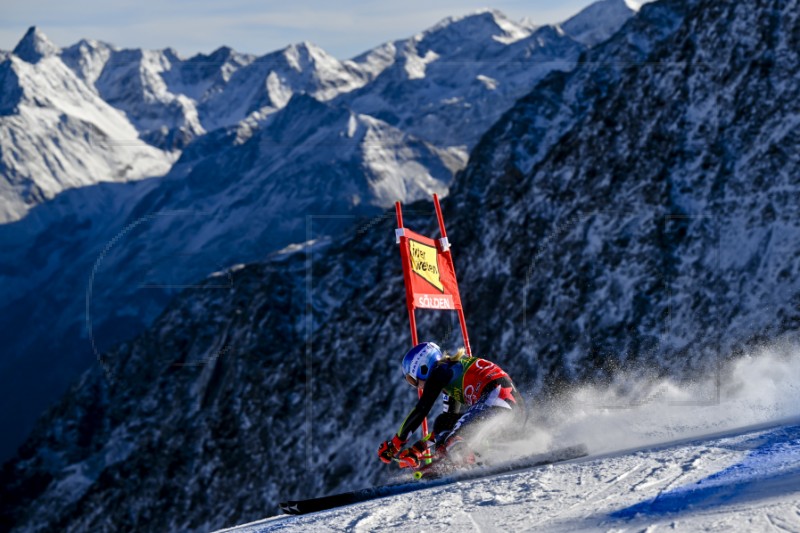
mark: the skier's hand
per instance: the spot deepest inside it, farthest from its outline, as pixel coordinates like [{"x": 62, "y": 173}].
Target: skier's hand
[
  {"x": 412, "y": 457},
  {"x": 389, "y": 448}
]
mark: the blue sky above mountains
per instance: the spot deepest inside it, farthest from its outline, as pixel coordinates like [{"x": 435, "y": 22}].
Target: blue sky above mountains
[{"x": 343, "y": 29}]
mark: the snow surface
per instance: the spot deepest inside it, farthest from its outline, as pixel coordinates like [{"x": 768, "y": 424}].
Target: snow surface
[{"x": 671, "y": 460}]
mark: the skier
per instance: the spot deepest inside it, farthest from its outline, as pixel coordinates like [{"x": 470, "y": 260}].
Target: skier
[{"x": 476, "y": 385}]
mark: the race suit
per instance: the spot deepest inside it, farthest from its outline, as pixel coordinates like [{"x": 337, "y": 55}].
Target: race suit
[{"x": 479, "y": 385}]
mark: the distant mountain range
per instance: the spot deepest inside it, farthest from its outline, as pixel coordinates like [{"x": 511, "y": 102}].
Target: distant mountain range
[{"x": 128, "y": 175}]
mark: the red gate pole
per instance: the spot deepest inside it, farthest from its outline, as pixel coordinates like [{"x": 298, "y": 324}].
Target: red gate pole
[
  {"x": 402, "y": 240},
  {"x": 445, "y": 245}
]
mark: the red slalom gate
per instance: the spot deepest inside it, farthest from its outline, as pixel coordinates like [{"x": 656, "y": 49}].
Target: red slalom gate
[{"x": 429, "y": 276}]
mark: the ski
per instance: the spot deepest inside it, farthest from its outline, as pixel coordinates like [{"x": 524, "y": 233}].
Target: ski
[{"x": 347, "y": 498}]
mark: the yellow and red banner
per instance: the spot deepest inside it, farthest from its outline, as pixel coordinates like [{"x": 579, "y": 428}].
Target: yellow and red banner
[{"x": 431, "y": 280}]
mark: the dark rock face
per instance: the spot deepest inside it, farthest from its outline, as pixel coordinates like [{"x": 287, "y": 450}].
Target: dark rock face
[{"x": 639, "y": 213}]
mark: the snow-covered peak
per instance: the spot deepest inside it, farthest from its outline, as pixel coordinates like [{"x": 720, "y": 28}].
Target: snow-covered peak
[
  {"x": 34, "y": 46},
  {"x": 527, "y": 22},
  {"x": 172, "y": 54},
  {"x": 513, "y": 31},
  {"x": 137, "y": 82},
  {"x": 599, "y": 21},
  {"x": 473, "y": 28},
  {"x": 475, "y": 19},
  {"x": 87, "y": 58},
  {"x": 220, "y": 53},
  {"x": 326, "y": 76},
  {"x": 159, "y": 90},
  {"x": 417, "y": 87},
  {"x": 266, "y": 83},
  {"x": 224, "y": 60},
  {"x": 303, "y": 55},
  {"x": 203, "y": 75}
]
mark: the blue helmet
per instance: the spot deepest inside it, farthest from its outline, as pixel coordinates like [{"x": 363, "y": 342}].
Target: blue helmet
[{"x": 419, "y": 361}]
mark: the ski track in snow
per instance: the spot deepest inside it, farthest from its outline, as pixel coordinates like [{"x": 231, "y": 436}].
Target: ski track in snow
[{"x": 745, "y": 480}]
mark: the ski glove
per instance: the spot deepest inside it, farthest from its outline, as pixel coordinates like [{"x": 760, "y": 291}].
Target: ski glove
[
  {"x": 414, "y": 456},
  {"x": 389, "y": 448}
]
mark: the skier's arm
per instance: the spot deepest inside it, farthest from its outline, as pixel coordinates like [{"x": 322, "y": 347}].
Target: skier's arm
[{"x": 440, "y": 376}]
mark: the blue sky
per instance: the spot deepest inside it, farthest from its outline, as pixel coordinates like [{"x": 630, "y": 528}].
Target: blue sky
[{"x": 344, "y": 29}]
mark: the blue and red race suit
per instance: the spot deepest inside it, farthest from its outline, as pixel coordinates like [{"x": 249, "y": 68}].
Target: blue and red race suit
[{"x": 480, "y": 385}]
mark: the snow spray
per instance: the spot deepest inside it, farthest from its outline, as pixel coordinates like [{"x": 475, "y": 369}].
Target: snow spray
[{"x": 755, "y": 389}]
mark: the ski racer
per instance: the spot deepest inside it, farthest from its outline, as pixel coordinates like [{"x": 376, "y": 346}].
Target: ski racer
[{"x": 475, "y": 391}]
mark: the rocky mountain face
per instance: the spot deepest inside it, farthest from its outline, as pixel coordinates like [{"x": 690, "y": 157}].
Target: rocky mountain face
[
  {"x": 673, "y": 238},
  {"x": 637, "y": 214},
  {"x": 166, "y": 169}
]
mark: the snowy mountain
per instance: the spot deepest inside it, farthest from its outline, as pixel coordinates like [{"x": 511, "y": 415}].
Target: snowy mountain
[
  {"x": 158, "y": 91},
  {"x": 56, "y": 134},
  {"x": 269, "y": 82},
  {"x": 629, "y": 220},
  {"x": 34, "y": 46},
  {"x": 131, "y": 81},
  {"x": 87, "y": 58},
  {"x": 172, "y": 100},
  {"x": 450, "y": 83},
  {"x": 259, "y": 145}
]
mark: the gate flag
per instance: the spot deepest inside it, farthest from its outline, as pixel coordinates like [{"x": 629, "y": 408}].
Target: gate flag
[
  {"x": 432, "y": 280},
  {"x": 428, "y": 273}
]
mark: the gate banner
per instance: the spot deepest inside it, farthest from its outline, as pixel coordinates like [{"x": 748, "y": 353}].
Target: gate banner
[{"x": 429, "y": 272}]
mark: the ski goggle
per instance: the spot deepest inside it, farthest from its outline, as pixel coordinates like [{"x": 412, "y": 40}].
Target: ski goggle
[{"x": 414, "y": 382}]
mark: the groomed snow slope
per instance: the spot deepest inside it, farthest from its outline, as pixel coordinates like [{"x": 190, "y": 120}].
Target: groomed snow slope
[{"x": 671, "y": 463}]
